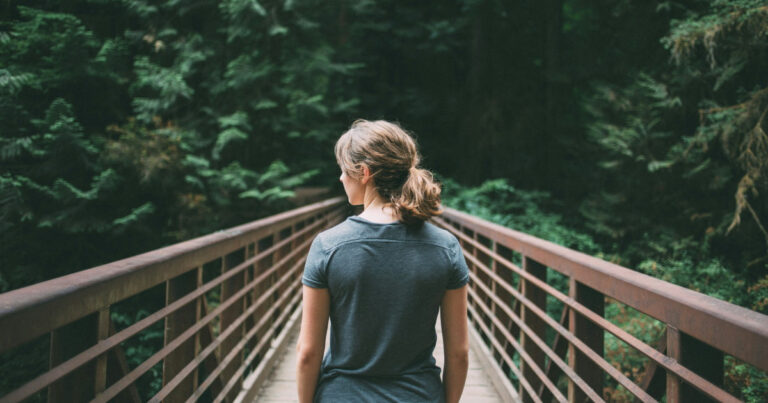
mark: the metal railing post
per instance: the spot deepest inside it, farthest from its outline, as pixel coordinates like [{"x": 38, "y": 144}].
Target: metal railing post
[
  {"x": 230, "y": 315},
  {"x": 102, "y": 332},
  {"x": 539, "y": 298},
  {"x": 67, "y": 341},
  {"x": 591, "y": 334},
  {"x": 697, "y": 356},
  {"x": 175, "y": 324}
]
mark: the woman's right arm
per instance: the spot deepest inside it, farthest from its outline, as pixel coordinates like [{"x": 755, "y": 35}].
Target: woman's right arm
[{"x": 453, "y": 319}]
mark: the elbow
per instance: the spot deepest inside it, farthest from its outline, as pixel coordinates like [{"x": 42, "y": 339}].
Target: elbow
[
  {"x": 458, "y": 355},
  {"x": 308, "y": 356},
  {"x": 457, "y": 361}
]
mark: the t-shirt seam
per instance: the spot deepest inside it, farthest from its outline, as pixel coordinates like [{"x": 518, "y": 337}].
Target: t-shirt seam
[{"x": 312, "y": 283}]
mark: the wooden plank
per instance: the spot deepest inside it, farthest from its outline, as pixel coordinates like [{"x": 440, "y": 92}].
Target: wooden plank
[
  {"x": 481, "y": 354},
  {"x": 482, "y": 386},
  {"x": 256, "y": 379}
]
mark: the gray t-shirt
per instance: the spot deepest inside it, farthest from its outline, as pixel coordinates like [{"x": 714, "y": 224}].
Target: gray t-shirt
[{"x": 386, "y": 282}]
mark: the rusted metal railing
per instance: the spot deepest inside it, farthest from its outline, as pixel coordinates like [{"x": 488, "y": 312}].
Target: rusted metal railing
[
  {"x": 227, "y": 299},
  {"x": 508, "y": 308}
]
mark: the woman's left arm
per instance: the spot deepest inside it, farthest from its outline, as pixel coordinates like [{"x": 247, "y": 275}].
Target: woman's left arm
[{"x": 316, "y": 308}]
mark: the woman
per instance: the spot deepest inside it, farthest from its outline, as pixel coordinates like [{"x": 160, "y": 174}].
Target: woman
[{"x": 381, "y": 277}]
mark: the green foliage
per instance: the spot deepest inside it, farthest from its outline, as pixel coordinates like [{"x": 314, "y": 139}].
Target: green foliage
[
  {"x": 232, "y": 127},
  {"x": 638, "y": 137},
  {"x": 67, "y": 41},
  {"x": 186, "y": 118},
  {"x": 748, "y": 379},
  {"x": 165, "y": 86},
  {"x": 682, "y": 151},
  {"x": 48, "y": 189},
  {"x": 747, "y": 19},
  {"x": 528, "y": 211}
]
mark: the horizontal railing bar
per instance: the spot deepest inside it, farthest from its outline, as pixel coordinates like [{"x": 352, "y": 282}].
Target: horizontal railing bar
[
  {"x": 261, "y": 255},
  {"x": 267, "y": 337},
  {"x": 507, "y": 264},
  {"x": 558, "y": 341},
  {"x": 95, "y": 351},
  {"x": 541, "y": 344},
  {"x": 730, "y": 328},
  {"x": 504, "y": 354},
  {"x": 668, "y": 363},
  {"x": 605, "y": 365},
  {"x": 523, "y": 354},
  {"x": 121, "y": 384},
  {"x": 51, "y": 304},
  {"x": 216, "y": 342}
]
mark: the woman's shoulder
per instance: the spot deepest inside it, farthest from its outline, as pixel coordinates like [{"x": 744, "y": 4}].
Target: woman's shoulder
[
  {"x": 438, "y": 234},
  {"x": 351, "y": 230},
  {"x": 335, "y": 235}
]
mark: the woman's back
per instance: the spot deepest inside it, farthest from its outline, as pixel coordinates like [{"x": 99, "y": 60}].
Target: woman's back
[
  {"x": 381, "y": 278},
  {"x": 386, "y": 283}
]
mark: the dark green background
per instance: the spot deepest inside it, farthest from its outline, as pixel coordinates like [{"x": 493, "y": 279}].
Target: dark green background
[{"x": 631, "y": 130}]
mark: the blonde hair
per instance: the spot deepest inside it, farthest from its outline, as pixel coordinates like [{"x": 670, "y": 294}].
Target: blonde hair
[{"x": 392, "y": 158}]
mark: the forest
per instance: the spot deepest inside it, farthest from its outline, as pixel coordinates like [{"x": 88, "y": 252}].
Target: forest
[{"x": 631, "y": 130}]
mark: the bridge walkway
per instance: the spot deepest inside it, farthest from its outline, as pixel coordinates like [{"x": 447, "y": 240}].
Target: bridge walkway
[{"x": 280, "y": 387}]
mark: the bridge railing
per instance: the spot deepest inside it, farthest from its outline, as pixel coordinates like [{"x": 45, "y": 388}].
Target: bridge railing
[
  {"x": 224, "y": 301},
  {"x": 562, "y": 356}
]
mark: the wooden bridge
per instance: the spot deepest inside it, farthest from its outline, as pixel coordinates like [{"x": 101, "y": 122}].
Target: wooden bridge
[{"x": 215, "y": 319}]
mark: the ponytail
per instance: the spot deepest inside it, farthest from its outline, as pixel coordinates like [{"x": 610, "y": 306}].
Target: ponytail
[
  {"x": 392, "y": 156},
  {"x": 419, "y": 199}
]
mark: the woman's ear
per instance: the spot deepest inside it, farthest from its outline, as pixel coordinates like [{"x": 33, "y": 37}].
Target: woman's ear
[{"x": 366, "y": 174}]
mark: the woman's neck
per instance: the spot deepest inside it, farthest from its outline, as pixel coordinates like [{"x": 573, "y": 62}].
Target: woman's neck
[{"x": 375, "y": 210}]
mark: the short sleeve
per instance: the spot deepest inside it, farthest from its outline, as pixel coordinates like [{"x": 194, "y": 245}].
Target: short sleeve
[
  {"x": 459, "y": 274},
  {"x": 315, "y": 274}
]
